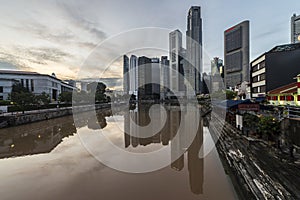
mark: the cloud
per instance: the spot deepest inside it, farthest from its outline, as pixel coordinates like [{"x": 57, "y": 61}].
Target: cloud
[{"x": 82, "y": 22}]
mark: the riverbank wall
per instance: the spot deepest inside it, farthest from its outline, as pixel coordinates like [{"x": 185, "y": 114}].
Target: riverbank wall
[
  {"x": 15, "y": 119},
  {"x": 257, "y": 170}
]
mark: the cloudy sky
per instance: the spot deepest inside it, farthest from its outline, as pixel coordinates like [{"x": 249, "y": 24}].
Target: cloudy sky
[{"x": 60, "y": 36}]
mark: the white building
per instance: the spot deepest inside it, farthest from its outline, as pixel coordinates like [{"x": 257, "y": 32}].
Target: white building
[
  {"x": 133, "y": 75},
  {"x": 175, "y": 45},
  {"x": 295, "y": 29},
  {"x": 34, "y": 82}
]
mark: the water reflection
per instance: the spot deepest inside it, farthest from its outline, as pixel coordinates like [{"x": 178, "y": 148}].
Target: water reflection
[
  {"x": 43, "y": 137},
  {"x": 140, "y": 116},
  {"x": 69, "y": 171}
]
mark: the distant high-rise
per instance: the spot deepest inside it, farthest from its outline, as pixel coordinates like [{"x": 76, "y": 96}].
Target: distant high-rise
[
  {"x": 133, "y": 75},
  {"x": 155, "y": 80},
  {"x": 144, "y": 76},
  {"x": 236, "y": 54},
  {"x": 216, "y": 66},
  {"x": 126, "y": 83},
  {"x": 217, "y": 75},
  {"x": 194, "y": 48},
  {"x": 164, "y": 76},
  {"x": 295, "y": 29},
  {"x": 176, "y": 69}
]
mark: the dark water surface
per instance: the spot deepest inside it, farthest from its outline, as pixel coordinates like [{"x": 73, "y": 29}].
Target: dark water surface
[{"x": 48, "y": 160}]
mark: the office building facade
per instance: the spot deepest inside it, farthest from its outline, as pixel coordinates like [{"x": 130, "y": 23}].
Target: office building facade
[
  {"x": 144, "y": 76},
  {"x": 194, "y": 48},
  {"x": 217, "y": 75},
  {"x": 274, "y": 69},
  {"x": 133, "y": 75},
  {"x": 295, "y": 29},
  {"x": 155, "y": 77},
  {"x": 34, "y": 82},
  {"x": 126, "y": 83},
  {"x": 164, "y": 76},
  {"x": 236, "y": 54},
  {"x": 176, "y": 63}
]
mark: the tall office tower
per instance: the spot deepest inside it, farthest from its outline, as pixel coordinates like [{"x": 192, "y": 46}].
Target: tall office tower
[
  {"x": 217, "y": 75},
  {"x": 236, "y": 54},
  {"x": 144, "y": 76},
  {"x": 155, "y": 68},
  {"x": 175, "y": 46},
  {"x": 164, "y": 76},
  {"x": 216, "y": 66},
  {"x": 133, "y": 75},
  {"x": 194, "y": 48},
  {"x": 126, "y": 84},
  {"x": 295, "y": 29}
]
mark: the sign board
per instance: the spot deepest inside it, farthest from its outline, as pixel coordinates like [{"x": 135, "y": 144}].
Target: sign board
[{"x": 248, "y": 107}]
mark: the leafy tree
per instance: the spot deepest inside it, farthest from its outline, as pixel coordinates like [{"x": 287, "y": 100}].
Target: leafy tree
[
  {"x": 65, "y": 97},
  {"x": 22, "y": 96},
  {"x": 99, "y": 90},
  {"x": 250, "y": 122},
  {"x": 43, "y": 99},
  {"x": 269, "y": 127},
  {"x": 230, "y": 94}
]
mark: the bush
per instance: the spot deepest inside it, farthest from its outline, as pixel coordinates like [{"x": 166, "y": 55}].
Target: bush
[{"x": 4, "y": 103}]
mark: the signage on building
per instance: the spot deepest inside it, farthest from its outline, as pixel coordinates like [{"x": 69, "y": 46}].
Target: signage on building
[{"x": 248, "y": 107}]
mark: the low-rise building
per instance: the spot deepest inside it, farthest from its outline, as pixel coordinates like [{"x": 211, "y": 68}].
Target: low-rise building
[
  {"x": 274, "y": 69},
  {"x": 34, "y": 82},
  {"x": 286, "y": 95}
]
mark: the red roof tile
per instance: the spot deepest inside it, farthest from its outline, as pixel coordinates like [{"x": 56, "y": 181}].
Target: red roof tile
[{"x": 286, "y": 89}]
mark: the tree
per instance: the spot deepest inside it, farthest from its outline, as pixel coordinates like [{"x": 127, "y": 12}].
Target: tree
[
  {"x": 99, "y": 90},
  {"x": 22, "y": 96},
  {"x": 250, "y": 122},
  {"x": 43, "y": 99},
  {"x": 269, "y": 127},
  {"x": 66, "y": 97},
  {"x": 230, "y": 94}
]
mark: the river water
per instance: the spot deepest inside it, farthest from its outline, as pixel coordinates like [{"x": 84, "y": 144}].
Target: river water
[{"x": 64, "y": 159}]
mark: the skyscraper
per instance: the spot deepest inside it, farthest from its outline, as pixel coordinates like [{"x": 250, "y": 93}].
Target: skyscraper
[
  {"x": 295, "y": 29},
  {"x": 176, "y": 69},
  {"x": 155, "y": 80},
  {"x": 236, "y": 54},
  {"x": 164, "y": 76},
  {"x": 133, "y": 75},
  {"x": 126, "y": 84},
  {"x": 144, "y": 76},
  {"x": 216, "y": 75},
  {"x": 194, "y": 48}
]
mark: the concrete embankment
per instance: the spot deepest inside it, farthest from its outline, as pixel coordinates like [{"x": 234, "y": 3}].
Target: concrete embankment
[
  {"x": 256, "y": 169},
  {"x": 15, "y": 119}
]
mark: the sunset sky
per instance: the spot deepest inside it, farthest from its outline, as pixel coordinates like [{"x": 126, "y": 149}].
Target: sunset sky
[{"x": 58, "y": 36}]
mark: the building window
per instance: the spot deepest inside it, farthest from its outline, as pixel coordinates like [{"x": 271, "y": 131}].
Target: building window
[
  {"x": 255, "y": 79},
  {"x": 32, "y": 85},
  {"x": 274, "y": 98},
  {"x": 298, "y": 97},
  {"x": 22, "y": 82},
  {"x": 262, "y": 77},
  {"x": 290, "y": 98},
  {"x": 1, "y": 89},
  {"x": 255, "y": 68},
  {"x": 263, "y": 88},
  {"x": 255, "y": 90},
  {"x": 262, "y": 65},
  {"x": 282, "y": 98},
  {"x": 27, "y": 84},
  {"x": 1, "y": 97}
]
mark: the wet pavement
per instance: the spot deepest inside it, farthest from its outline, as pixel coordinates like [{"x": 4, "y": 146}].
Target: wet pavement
[{"x": 53, "y": 160}]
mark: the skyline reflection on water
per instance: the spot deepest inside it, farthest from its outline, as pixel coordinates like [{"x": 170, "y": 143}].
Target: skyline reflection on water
[{"x": 50, "y": 157}]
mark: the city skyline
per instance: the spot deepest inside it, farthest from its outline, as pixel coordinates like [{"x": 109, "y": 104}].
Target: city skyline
[{"x": 56, "y": 37}]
